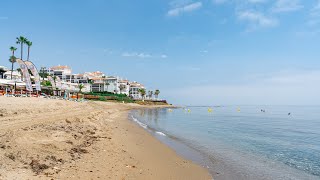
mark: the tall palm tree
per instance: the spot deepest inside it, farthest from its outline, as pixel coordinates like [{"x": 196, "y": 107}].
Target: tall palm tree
[
  {"x": 151, "y": 94},
  {"x": 156, "y": 93},
  {"x": 42, "y": 73},
  {"x": 148, "y": 94},
  {"x": 21, "y": 40},
  {"x": 142, "y": 92},
  {"x": 12, "y": 58},
  {"x": 29, "y": 44}
]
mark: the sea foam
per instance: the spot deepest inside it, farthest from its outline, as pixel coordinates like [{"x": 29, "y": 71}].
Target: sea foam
[
  {"x": 140, "y": 123},
  {"x": 161, "y": 133}
]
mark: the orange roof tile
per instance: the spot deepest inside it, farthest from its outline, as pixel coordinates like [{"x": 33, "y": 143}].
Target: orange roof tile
[{"x": 60, "y": 67}]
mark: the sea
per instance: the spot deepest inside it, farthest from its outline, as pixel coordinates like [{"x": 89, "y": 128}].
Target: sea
[{"x": 241, "y": 142}]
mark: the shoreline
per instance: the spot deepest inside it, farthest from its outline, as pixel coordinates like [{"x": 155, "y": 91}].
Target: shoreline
[
  {"x": 222, "y": 160},
  {"x": 57, "y": 139}
]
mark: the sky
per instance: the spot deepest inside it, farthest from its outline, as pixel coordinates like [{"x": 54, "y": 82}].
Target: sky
[{"x": 196, "y": 52}]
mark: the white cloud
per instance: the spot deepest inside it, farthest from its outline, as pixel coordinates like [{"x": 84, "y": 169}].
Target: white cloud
[
  {"x": 257, "y": 19},
  {"x": 184, "y": 9},
  {"x": 135, "y": 54},
  {"x": 143, "y": 55},
  {"x": 164, "y": 56},
  {"x": 287, "y": 6}
]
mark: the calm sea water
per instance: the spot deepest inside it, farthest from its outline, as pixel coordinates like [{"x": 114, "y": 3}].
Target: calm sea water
[{"x": 242, "y": 142}]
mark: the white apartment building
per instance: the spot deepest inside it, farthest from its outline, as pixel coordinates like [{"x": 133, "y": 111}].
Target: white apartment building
[
  {"x": 105, "y": 84},
  {"x": 112, "y": 84},
  {"x": 134, "y": 90},
  {"x": 96, "y": 82},
  {"x": 124, "y": 87},
  {"x": 16, "y": 76},
  {"x": 98, "y": 85},
  {"x": 63, "y": 72}
]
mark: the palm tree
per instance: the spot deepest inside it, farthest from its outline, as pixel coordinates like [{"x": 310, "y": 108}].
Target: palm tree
[
  {"x": 80, "y": 86},
  {"x": 150, "y": 94},
  {"x": 29, "y": 44},
  {"x": 156, "y": 93},
  {"x": 142, "y": 92},
  {"x": 42, "y": 73},
  {"x": 21, "y": 40},
  {"x": 46, "y": 83},
  {"x": 12, "y": 58}
]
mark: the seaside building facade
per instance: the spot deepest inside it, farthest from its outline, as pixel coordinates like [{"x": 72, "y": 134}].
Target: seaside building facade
[
  {"x": 63, "y": 72},
  {"x": 105, "y": 84},
  {"x": 16, "y": 75},
  {"x": 98, "y": 84},
  {"x": 93, "y": 81},
  {"x": 112, "y": 84},
  {"x": 2, "y": 71},
  {"x": 134, "y": 90},
  {"x": 124, "y": 87},
  {"x": 78, "y": 78}
]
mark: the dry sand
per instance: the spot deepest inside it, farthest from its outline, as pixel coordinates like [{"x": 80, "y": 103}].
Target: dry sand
[{"x": 56, "y": 139}]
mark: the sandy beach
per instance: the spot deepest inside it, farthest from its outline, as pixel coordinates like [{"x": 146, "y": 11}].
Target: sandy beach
[{"x": 57, "y": 139}]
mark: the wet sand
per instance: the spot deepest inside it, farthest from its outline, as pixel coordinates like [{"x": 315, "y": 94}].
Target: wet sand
[{"x": 56, "y": 139}]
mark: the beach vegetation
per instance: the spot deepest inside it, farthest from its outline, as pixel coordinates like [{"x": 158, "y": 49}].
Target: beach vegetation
[
  {"x": 42, "y": 73},
  {"x": 12, "y": 60},
  {"x": 156, "y": 93},
  {"x": 142, "y": 92},
  {"x": 110, "y": 96},
  {"x": 29, "y": 44},
  {"x": 21, "y": 40},
  {"x": 80, "y": 86},
  {"x": 46, "y": 83},
  {"x": 102, "y": 98},
  {"x": 150, "y": 94}
]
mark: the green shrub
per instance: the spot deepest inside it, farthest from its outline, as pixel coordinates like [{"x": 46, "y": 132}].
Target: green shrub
[{"x": 101, "y": 98}]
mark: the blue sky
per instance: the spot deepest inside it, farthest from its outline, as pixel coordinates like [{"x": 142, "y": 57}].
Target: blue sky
[{"x": 200, "y": 52}]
